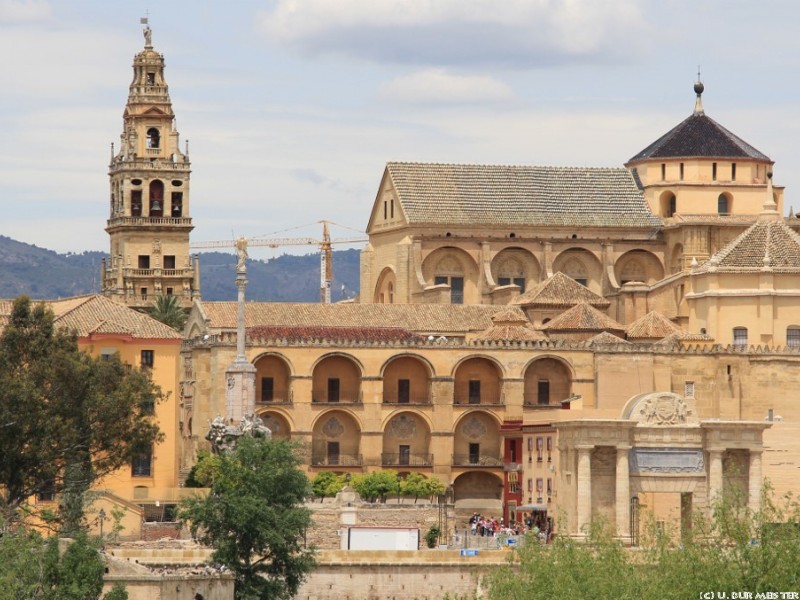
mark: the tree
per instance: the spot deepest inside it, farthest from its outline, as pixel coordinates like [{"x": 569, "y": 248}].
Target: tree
[
  {"x": 416, "y": 485},
  {"x": 375, "y": 485},
  {"x": 732, "y": 549},
  {"x": 254, "y": 519},
  {"x": 327, "y": 484},
  {"x": 167, "y": 310},
  {"x": 202, "y": 473},
  {"x": 66, "y": 419},
  {"x": 33, "y": 568}
]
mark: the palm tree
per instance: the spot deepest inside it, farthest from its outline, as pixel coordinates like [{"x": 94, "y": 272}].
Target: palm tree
[{"x": 167, "y": 310}]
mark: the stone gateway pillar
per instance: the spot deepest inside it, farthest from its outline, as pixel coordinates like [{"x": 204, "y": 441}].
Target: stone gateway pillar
[
  {"x": 584, "y": 487},
  {"x": 623, "y": 493}
]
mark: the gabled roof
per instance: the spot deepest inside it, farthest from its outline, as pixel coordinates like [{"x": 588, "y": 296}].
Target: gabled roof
[
  {"x": 582, "y": 317},
  {"x": 505, "y": 196},
  {"x": 766, "y": 245},
  {"x": 96, "y": 314},
  {"x": 606, "y": 339},
  {"x": 511, "y": 325},
  {"x": 560, "y": 290},
  {"x": 425, "y": 319},
  {"x": 352, "y": 334},
  {"x": 652, "y": 326},
  {"x": 699, "y": 136}
]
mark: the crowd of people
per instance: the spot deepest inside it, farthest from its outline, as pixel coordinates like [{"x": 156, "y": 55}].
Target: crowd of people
[{"x": 540, "y": 526}]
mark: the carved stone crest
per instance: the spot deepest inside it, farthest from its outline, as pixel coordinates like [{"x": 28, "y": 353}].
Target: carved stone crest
[
  {"x": 474, "y": 428},
  {"x": 660, "y": 408},
  {"x": 403, "y": 427},
  {"x": 333, "y": 428}
]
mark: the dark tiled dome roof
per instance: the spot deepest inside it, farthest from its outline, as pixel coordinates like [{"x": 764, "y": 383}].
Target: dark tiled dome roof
[{"x": 699, "y": 136}]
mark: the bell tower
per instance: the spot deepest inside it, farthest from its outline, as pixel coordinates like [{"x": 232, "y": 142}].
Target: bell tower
[{"x": 149, "y": 220}]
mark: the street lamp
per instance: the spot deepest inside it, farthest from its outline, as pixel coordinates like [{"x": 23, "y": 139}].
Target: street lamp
[
  {"x": 399, "y": 479},
  {"x": 101, "y": 516}
]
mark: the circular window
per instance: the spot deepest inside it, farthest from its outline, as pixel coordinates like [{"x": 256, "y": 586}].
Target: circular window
[
  {"x": 136, "y": 182},
  {"x": 177, "y": 182}
]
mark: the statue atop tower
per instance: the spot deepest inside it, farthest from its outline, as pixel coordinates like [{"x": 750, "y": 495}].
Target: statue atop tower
[{"x": 149, "y": 221}]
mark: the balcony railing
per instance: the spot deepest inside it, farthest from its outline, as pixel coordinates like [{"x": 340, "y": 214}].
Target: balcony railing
[
  {"x": 406, "y": 460},
  {"x": 336, "y": 460},
  {"x": 411, "y": 399},
  {"x": 117, "y": 221},
  {"x": 477, "y": 460},
  {"x": 129, "y": 272},
  {"x": 485, "y": 398}
]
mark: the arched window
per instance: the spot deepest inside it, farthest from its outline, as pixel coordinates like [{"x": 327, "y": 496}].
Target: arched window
[
  {"x": 793, "y": 336},
  {"x": 723, "y": 205},
  {"x": 156, "y": 198},
  {"x": 740, "y": 337},
  {"x": 153, "y": 138}
]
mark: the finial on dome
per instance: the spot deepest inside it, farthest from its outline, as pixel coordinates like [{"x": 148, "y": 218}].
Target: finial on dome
[{"x": 698, "y": 89}]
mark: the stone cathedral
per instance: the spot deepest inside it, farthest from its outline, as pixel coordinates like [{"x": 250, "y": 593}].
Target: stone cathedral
[{"x": 548, "y": 341}]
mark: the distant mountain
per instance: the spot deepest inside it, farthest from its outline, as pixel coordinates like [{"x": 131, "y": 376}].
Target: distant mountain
[{"x": 41, "y": 273}]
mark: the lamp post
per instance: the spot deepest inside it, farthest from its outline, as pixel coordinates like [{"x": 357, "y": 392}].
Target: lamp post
[
  {"x": 101, "y": 516},
  {"x": 399, "y": 479}
]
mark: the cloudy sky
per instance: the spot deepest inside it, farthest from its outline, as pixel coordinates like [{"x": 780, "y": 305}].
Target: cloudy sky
[{"x": 292, "y": 107}]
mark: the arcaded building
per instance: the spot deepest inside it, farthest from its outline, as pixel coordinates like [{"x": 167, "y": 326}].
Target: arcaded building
[{"x": 558, "y": 341}]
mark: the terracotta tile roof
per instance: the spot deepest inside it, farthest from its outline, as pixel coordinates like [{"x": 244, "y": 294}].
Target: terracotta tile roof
[
  {"x": 606, "y": 339},
  {"x": 511, "y": 325},
  {"x": 97, "y": 314},
  {"x": 653, "y": 325},
  {"x": 766, "y": 245},
  {"x": 499, "y": 195},
  {"x": 512, "y": 333},
  {"x": 582, "y": 317},
  {"x": 351, "y": 334},
  {"x": 424, "y": 319},
  {"x": 560, "y": 290},
  {"x": 699, "y": 136},
  {"x": 510, "y": 316}
]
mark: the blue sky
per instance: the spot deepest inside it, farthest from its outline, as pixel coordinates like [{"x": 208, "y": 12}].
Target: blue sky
[{"x": 292, "y": 107}]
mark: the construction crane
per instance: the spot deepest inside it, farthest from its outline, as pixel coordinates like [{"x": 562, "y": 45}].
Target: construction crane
[{"x": 325, "y": 246}]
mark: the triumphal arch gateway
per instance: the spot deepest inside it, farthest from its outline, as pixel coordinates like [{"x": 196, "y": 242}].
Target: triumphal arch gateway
[{"x": 659, "y": 450}]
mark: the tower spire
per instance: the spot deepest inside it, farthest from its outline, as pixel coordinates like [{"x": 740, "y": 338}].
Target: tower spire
[
  {"x": 149, "y": 221},
  {"x": 698, "y": 89}
]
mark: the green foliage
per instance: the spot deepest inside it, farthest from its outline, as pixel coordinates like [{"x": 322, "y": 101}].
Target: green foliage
[
  {"x": 326, "y": 484},
  {"x": 32, "y": 568},
  {"x": 67, "y": 419},
  {"x": 254, "y": 518},
  {"x": 203, "y": 471},
  {"x": 733, "y": 549},
  {"x": 417, "y": 485},
  {"x": 168, "y": 310},
  {"x": 376, "y": 485},
  {"x": 118, "y": 592},
  {"x": 79, "y": 572},
  {"x": 432, "y": 536}
]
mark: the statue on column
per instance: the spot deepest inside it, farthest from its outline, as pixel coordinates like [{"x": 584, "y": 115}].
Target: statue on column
[{"x": 241, "y": 255}]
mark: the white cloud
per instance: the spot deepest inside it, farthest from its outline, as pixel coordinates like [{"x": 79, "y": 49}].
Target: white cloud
[
  {"x": 521, "y": 33},
  {"x": 19, "y": 11},
  {"x": 436, "y": 86}
]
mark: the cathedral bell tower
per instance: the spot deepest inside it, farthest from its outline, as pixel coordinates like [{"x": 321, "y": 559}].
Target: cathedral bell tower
[{"x": 149, "y": 220}]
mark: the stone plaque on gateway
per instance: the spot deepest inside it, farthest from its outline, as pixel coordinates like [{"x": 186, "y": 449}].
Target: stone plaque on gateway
[{"x": 667, "y": 460}]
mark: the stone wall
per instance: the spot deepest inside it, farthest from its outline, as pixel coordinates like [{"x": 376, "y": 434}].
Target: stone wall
[
  {"x": 399, "y": 575},
  {"x": 332, "y": 516}
]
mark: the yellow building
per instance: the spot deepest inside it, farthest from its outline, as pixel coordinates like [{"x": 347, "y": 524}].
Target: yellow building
[{"x": 106, "y": 328}]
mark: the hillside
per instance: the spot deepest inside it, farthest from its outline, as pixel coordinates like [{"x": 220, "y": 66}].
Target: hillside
[{"x": 41, "y": 273}]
